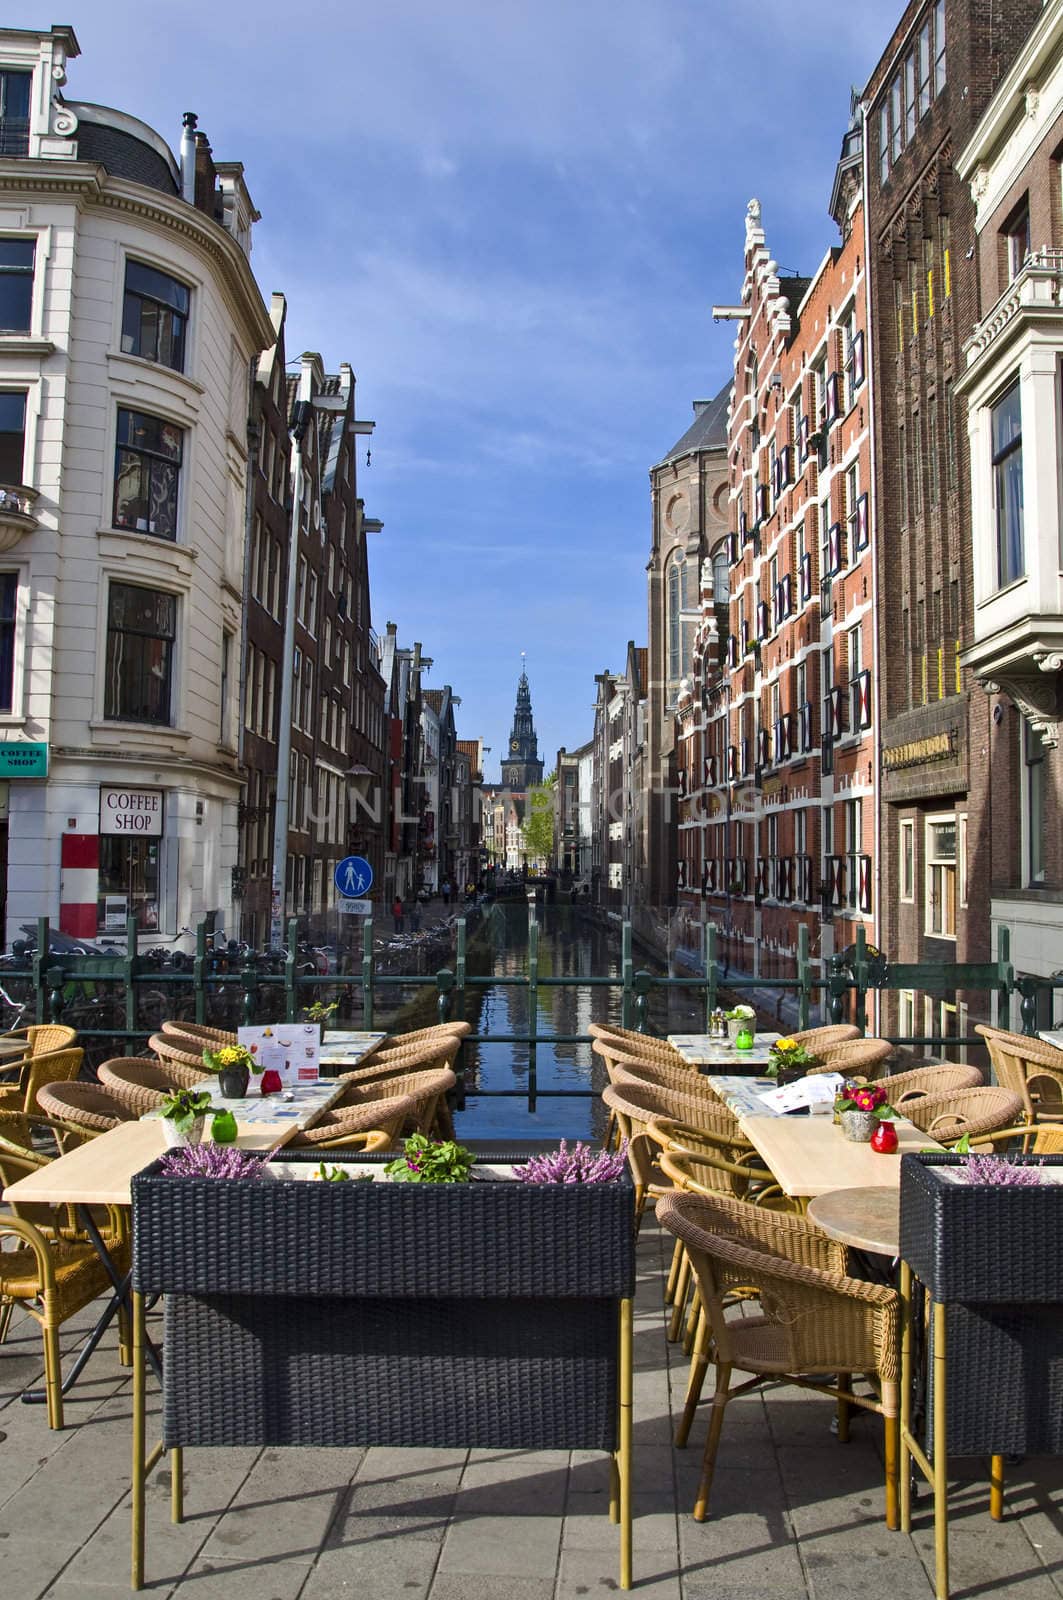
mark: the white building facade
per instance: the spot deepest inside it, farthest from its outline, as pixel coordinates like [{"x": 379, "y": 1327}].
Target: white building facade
[{"x": 128, "y": 323}]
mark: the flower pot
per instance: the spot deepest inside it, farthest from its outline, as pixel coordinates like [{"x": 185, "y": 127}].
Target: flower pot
[
  {"x": 884, "y": 1139},
  {"x": 271, "y": 1082},
  {"x": 858, "y": 1126},
  {"x": 737, "y": 1025},
  {"x": 223, "y": 1128},
  {"x": 176, "y": 1138},
  {"x": 233, "y": 1082}
]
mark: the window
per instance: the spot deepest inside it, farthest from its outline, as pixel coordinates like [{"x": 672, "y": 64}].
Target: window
[
  {"x": 129, "y": 872},
  {"x": 909, "y": 96},
  {"x": 1017, "y": 242},
  {"x": 941, "y": 877},
  {"x": 884, "y": 144},
  {"x": 1006, "y": 446},
  {"x": 146, "y": 473},
  {"x": 15, "y": 113},
  {"x": 939, "y": 46},
  {"x": 226, "y": 658},
  {"x": 16, "y": 284},
  {"x": 898, "y": 312},
  {"x": 945, "y": 234},
  {"x": 141, "y": 630},
  {"x": 154, "y": 316},
  {"x": 8, "y": 613},
  {"x": 721, "y": 580},
  {"x": 907, "y": 862},
  {"x": 853, "y": 851},
  {"x": 902, "y": 473},
  {"x": 1034, "y": 786},
  {"x": 923, "y": 68},
  {"x": 12, "y": 436},
  {"x": 950, "y": 435},
  {"x": 932, "y": 451}
]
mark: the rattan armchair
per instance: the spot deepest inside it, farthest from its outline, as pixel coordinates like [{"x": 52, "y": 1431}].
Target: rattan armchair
[
  {"x": 425, "y": 1035},
  {"x": 83, "y": 1107},
  {"x": 965, "y": 1113},
  {"x": 860, "y": 1056},
  {"x": 198, "y": 1031},
  {"x": 655, "y": 1070},
  {"x": 637, "y": 1106},
  {"x": 410, "y": 1103},
  {"x": 386, "y": 1116},
  {"x": 53, "y": 1066},
  {"x": 813, "y": 1322},
  {"x": 40, "y": 1038},
  {"x": 1028, "y": 1067},
  {"x": 626, "y": 1041},
  {"x": 182, "y": 1061},
  {"x": 816, "y": 1039},
  {"x": 140, "y": 1083},
  {"x": 916, "y": 1084}
]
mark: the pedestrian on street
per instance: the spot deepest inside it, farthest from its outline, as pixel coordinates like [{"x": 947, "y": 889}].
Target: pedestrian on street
[
  {"x": 396, "y": 912},
  {"x": 445, "y": 891}
]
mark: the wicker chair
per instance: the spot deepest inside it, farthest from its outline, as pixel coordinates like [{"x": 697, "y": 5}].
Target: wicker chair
[
  {"x": 397, "y": 1105},
  {"x": 637, "y": 1106},
  {"x": 180, "y": 1061},
  {"x": 83, "y": 1107},
  {"x": 1028, "y": 1067},
  {"x": 41, "y": 1038},
  {"x": 813, "y": 1322},
  {"x": 439, "y": 1050},
  {"x": 54, "y": 1066},
  {"x": 817, "y": 1039},
  {"x": 53, "y": 1278},
  {"x": 625, "y": 1041},
  {"x": 781, "y": 1232},
  {"x": 425, "y": 1035},
  {"x": 968, "y": 1112},
  {"x": 861, "y": 1056},
  {"x": 140, "y": 1083},
  {"x": 948, "y": 1078},
  {"x": 198, "y": 1031},
  {"x": 685, "y": 1078}
]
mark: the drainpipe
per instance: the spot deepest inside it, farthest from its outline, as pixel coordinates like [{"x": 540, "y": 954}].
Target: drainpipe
[
  {"x": 253, "y": 436},
  {"x": 188, "y": 157},
  {"x": 284, "y": 736},
  {"x": 872, "y": 510}
]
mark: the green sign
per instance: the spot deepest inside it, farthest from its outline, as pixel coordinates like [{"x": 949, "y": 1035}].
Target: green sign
[{"x": 20, "y": 759}]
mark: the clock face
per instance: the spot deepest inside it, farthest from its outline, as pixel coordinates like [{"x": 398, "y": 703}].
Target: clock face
[{"x": 514, "y": 745}]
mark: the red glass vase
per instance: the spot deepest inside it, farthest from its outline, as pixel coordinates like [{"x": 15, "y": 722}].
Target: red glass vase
[
  {"x": 271, "y": 1082},
  {"x": 884, "y": 1139}
]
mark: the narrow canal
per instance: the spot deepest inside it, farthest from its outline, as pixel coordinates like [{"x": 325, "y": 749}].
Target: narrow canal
[{"x": 516, "y": 1088}]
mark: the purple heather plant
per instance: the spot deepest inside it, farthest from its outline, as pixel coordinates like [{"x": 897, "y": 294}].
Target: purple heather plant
[
  {"x": 1000, "y": 1171},
  {"x": 211, "y": 1161},
  {"x": 581, "y": 1164}
]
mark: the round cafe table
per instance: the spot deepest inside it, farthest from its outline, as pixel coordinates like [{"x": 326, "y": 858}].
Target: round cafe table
[{"x": 867, "y": 1219}]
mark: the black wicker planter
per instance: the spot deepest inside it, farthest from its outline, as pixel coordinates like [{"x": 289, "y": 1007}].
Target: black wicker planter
[
  {"x": 991, "y": 1255},
  {"x": 481, "y": 1314}
]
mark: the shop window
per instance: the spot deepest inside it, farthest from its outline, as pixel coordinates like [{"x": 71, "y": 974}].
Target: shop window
[
  {"x": 141, "y": 631},
  {"x": 941, "y": 877},
  {"x": 146, "y": 474},
  {"x": 128, "y": 883},
  {"x": 8, "y": 605},
  {"x": 12, "y": 436},
  {"x": 16, "y": 284},
  {"x": 1006, "y": 445},
  {"x": 154, "y": 316}
]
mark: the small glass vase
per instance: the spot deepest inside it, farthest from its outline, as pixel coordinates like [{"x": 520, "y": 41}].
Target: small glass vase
[
  {"x": 737, "y": 1025},
  {"x": 858, "y": 1126}
]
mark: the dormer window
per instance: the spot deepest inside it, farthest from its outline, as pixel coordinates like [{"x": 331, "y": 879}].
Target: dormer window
[{"x": 15, "y": 113}]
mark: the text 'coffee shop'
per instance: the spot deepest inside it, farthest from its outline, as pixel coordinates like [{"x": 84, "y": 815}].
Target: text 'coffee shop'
[{"x": 116, "y": 873}]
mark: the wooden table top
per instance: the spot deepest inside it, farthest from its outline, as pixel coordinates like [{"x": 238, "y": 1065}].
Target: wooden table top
[
  {"x": 100, "y": 1172},
  {"x": 811, "y": 1155},
  {"x": 868, "y": 1219},
  {"x": 348, "y": 1049},
  {"x": 703, "y": 1050}
]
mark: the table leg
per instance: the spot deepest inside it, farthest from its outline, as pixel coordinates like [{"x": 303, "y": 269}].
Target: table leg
[
  {"x": 139, "y": 1442},
  {"x": 624, "y": 1451},
  {"x": 904, "y": 1460},
  {"x": 941, "y": 1460},
  {"x": 996, "y": 1488},
  {"x": 177, "y": 1484}
]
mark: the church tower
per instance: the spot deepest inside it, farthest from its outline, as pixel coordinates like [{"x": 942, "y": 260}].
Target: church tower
[{"x": 521, "y": 767}]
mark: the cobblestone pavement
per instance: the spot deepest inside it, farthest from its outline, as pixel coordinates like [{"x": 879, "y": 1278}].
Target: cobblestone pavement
[{"x": 796, "y": 1515}]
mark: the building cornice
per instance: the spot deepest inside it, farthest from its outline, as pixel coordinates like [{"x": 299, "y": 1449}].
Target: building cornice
[
  {"x": 1016, "y": 94},
  {"x": 92, "y": 186}
]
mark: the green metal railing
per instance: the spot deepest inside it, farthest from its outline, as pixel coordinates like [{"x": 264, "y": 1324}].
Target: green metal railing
[{"x": 68, "y": 987}]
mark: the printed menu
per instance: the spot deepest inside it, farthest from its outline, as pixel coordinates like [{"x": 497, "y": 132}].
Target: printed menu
[{"x": 291, "y": 1048}]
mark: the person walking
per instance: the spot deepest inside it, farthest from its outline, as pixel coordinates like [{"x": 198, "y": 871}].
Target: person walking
[
  {"x": 445, "y": 891},
  {"x": 397, "y": 913}
]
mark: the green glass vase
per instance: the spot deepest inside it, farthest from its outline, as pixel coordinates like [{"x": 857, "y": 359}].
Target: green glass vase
[{"x": 744, "y": 1039}]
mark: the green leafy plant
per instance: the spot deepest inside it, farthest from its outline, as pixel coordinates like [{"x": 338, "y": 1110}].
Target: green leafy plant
[
  {"x": 788, "y": 1055},
  {"x": 184, "y": 1106},
  {"x": 740, "y": 1014},
  {"x": 321, "y": 1011},
  {"x": 425, "y": 1160},
  {"x": 865, "y": 1097},
  {"x": 331, "y": 1174}
]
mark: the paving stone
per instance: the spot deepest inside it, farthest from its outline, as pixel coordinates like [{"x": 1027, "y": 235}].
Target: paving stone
[
  {"x": 265, "y": 1578},
  {"x": 478, "y": 1586},
  {"x": 523, "y": 1546},
  {"x": 865, "y": 1568},
  {"x": 394, "y": 1569},
  {"x": 583, "y": 1573}
]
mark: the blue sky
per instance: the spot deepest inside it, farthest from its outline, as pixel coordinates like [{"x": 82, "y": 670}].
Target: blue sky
[{"x": 512, "y": 219}]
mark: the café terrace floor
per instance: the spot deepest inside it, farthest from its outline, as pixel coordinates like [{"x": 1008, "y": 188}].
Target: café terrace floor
[{"x": 795, "y": 1513}]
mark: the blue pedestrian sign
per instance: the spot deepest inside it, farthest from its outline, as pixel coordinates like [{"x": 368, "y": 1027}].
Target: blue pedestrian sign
[{"x": 354, "y": 877}]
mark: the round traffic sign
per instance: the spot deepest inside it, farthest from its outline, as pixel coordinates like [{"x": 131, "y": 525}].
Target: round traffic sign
[{"x": 354, "y": 877}]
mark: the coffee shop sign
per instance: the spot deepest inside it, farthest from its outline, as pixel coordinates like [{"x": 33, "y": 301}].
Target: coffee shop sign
[{"x": 125, "y": 811}]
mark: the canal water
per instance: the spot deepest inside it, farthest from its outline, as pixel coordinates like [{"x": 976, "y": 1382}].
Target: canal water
[{"x": 549, "y": 1088}]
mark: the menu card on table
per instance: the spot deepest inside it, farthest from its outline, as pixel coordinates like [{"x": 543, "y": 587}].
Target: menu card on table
[
  {"x": 812, "y": 1094},
  {"x": 291, "y": 1048}
]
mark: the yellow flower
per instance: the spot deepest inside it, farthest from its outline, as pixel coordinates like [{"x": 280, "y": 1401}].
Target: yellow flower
[
  {"x": 230, "y": 1053},
  {"x": 786, "y": 1044}
]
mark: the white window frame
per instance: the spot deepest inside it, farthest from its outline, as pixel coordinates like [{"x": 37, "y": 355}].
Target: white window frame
[
  {"x": 932, "y": 861},
  {"x": 906, "y": 874}
]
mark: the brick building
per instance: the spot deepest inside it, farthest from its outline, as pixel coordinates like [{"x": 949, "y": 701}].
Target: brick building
[
  {"x": 940, "y": 743},
  {"x": 778, "y": 733},
  {"x": 1011, "y": 385}
]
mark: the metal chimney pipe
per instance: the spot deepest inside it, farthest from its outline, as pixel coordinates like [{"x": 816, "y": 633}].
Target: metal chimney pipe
[{"x": 188, "y": 157}]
